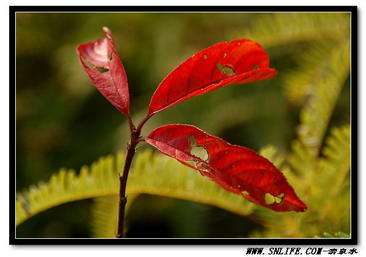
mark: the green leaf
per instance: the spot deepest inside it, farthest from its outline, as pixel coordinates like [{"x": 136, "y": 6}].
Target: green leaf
[
  {"x": 339, "y": 234},
  {"x": 104, "y": 215},
  {"x": 150, "y": 174},
  {"x": 97, "y": 180},
  {"x": 312, "y": 64},
  {"x": 284, "y": 29},
  {"x": 271, "y": 153},
  {"x": 325, "y": 189},
  {"x": 317, "y": 112}
]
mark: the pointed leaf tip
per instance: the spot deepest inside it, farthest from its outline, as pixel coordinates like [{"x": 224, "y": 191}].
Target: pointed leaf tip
[
  {"x": 107, "y": 31},
  {"x": 237, "y": 62},
  {"x": 101, "y": 62},
  {"x": 235, "y": 168}
]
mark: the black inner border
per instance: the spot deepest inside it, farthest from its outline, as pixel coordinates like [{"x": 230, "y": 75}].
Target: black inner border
[{"x": 183, "y": 241}]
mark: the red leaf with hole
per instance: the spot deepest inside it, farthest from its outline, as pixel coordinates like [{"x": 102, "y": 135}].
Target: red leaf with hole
[
  {"x": 104, "y": 67},
  {"x": 235, "y": 168},
  {"x": 226, "y": 63}
]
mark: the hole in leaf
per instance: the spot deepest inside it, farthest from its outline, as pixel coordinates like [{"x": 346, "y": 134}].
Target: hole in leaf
[
  {"x": 196, "y": 150},
  {"x": 91, "y": 65},
  {"x": 271, "y": 199},
  {"x": 225, "y": 55},
  {"x": 102, "y": 69},
  {"x": 279, "y": 198},
  {"x": 255, "y": 67},
  {"x": 245, "y": 193},
  {"x": 205, "y": 57},
  {"x": 200, "y": 152},
  {"x": 226, "y": 70},
  {"x": 88, "y": 63}
]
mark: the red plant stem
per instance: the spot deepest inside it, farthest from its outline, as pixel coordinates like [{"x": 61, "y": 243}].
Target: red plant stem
[{"x": 131, "y": 149}]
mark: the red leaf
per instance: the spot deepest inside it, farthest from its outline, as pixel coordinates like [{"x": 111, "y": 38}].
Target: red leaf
[
  {"x": 237, "y": 169},
  {"x": 104, "y": 67},
  {"x": 226, "y": 63}
]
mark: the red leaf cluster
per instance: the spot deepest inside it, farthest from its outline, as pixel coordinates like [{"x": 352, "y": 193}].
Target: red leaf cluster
[{"x": 235, "y": 168}]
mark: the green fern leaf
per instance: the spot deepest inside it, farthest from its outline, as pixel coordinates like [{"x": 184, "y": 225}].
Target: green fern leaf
[
  {"x": 335, "y": 165},
  {"x": 65, "y": 186},
  {"x": 317, "y": 112},
  {"x": 150, "y": 174},
  {"x": 339, "y": 234},
  {"x": 271, "y": 153},
  {"x": 287, "y": 28},
  {"x": 104, "y": 215},
  {"x": 300, "y": 82},
  {"x": 324, "y": 189}
]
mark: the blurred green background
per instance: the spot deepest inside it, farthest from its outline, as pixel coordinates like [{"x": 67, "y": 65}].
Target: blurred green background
[{"x": 63, "y": 121}]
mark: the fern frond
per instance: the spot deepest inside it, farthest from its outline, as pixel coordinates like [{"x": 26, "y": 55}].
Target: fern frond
[
  {"x": 287, "y": 28},
  {"x": 312, "y": 64},
  {"x": 339, "y": 234},
  {"x": 66, "y": 186},
  {"x": 104, "y": 215},
  {"x": 159, "y": 175},
  {"x": 323, "y": 188},
  {"x": 317, "y": 112},
  {"x": 271, "y": 153},
  {"x": 104, "y": 210},
  {"x": 335, "y": 165},
  {"x": 150, "y": 174}
]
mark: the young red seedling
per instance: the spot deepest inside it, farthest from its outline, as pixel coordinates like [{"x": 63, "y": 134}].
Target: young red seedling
[{"x": 235, "y": 168}]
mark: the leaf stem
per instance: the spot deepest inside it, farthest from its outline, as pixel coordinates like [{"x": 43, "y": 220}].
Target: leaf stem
[
  {"x": 131, "y": 150},
  {"x": 142, "y": 123}
]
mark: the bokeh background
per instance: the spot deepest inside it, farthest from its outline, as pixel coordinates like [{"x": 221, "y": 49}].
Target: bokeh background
[{"x": 63, "y": 121}]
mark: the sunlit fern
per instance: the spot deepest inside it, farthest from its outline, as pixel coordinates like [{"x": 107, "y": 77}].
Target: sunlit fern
[
  {"x": 278, "y": 29},
  {"x": 311, "y": 67},
  {"x": 317, "y": 112},
  {"x": 151, "y": 174},
  {"x": 104, "y": 210},
  {"x": 339, "y": 234},
  {"x": 104, "y": 215},
  {"x": 325, "y": 189}
]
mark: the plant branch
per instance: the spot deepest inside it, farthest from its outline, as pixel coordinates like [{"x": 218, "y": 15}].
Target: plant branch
[
  {"x": 142, "y": 123},
  {"x": 130, "y": 124},
  {"x": 131, "y": 150}
]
